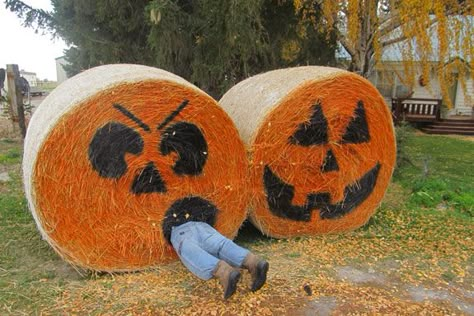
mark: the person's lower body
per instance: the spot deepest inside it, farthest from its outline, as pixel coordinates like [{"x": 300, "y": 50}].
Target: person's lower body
[{"x": 206, "y": 253}]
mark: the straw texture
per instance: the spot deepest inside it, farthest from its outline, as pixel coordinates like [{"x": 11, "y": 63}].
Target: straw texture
[
  {"x": 321, "y": 145},
  {"x": 112, "y": 151}
]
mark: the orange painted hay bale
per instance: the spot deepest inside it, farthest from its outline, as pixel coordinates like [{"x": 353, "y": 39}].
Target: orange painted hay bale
[
  {"x": 117, "y": 155},
  {"x": 322, "y": 148}
]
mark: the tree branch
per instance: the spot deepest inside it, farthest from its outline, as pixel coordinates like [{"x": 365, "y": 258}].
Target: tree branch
[
  {"x": 346, "y": 46},
  {"x": 393, "y": 41},
  {"x": 37, "y": 19},
  {"x": 391, "y": 24},
  {"x": 402, "y": 37}
]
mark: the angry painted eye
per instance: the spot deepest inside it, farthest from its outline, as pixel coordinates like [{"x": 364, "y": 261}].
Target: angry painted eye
[
  {"x": 108, "y": 148},
  {"x": 188, "y": 142},
  {"x": 357, "y": 131},
  {"x": 314, "y": 132}
]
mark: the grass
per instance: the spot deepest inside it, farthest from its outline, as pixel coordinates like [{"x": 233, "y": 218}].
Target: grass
[
  {"x": 421, "y": 234},
  {"x": 10, "y": 153},
  {"x": 440, "y": 175},
  {"x": 29, "y": 274},
  {"x": 11, "y": 157}
]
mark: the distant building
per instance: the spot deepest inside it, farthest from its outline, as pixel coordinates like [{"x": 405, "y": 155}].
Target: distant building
[
  {"x": 460, "y": 92},
  {"x": 60, "y": 72},
  {"x": 30, "y": 77},
  {"x": 385, "y": 78},
  {"x": 389, "y": 73}
]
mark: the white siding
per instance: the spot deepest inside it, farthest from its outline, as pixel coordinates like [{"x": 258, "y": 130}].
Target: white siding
[
  {"x": 30, "y": 77},
  {"x": 430, "y": 91},
  {"x": 61, "y": 74},
  {"x": 465, "y": 99}
]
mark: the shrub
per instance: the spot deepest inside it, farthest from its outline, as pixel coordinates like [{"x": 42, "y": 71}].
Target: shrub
[
  {"x": 403, "y": 133},
  {"x": 431, "y": 192}
]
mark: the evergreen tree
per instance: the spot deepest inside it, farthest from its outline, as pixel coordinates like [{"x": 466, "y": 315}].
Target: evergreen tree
[
  {"x": 102, "y": 32},
  {"x": 212, "y": 43},
  {"x": 297, "y": 39},
  {"x": 218, "y": 43},
  {"x": 99, "y": 32}
]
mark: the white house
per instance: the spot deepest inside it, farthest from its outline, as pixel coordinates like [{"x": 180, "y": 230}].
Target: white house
[
  {"x": 388, "y": 74},
  {"x": 30, "y": 77},
  {"x": 386, "y": 79}
]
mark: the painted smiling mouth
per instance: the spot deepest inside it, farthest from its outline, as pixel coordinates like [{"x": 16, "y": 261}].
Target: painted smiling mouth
[{"x": 280, "y": 196}]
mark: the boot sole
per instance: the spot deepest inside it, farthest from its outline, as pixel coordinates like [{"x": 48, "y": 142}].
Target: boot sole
[
  {"x": 234, "y": 278},
  {"x": 262, "y": 269}
]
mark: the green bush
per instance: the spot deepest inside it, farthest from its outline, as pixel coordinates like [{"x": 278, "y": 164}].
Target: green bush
[
  {"x": 428, "y": 192},
  {"x": 465, "y": 202},
  {"x": 433, "y": 192}
]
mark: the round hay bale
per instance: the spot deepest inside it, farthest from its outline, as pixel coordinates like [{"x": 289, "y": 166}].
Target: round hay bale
[
  {"x": 322, "y": 148},
  {"x": 117, "y": 155}
]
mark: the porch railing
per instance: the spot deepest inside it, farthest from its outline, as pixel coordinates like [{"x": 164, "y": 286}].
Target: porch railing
[{"x": 416, "y": 110}]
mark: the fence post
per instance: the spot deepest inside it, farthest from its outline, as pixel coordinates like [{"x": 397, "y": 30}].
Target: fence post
[
  {"x": 396, "y": 110},
  {"x": 16, "y": 109},
  {"x": 438, "y": 110},
  {"x": 2, "y": 80}
]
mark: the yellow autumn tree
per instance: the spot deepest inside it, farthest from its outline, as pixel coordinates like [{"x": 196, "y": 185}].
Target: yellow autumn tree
[{"x": 428, "y": 36}]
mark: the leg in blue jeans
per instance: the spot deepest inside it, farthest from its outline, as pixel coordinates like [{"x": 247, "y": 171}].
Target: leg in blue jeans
[
  {"x": 200, "y": 246},
  {"x": 185, "y": 241},
  {"x": 221, "y": 247}
]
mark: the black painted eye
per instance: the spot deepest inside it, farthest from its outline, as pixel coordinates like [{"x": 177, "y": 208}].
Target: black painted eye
[
  {"x": 357, "y": 131},
  {"x": 108, "y": 147},
  {"x": 314, "y": 132},
  {"x": 188, "y": 142}
]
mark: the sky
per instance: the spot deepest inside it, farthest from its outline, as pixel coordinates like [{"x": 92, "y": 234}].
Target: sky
[{"x": 32, "y": 52}]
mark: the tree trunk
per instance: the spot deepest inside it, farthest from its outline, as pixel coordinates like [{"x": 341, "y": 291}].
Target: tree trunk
[{"x": 363, "y": 53}]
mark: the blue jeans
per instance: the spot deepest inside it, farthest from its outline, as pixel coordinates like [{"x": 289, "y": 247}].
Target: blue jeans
[{"x": 200, "y": 246}]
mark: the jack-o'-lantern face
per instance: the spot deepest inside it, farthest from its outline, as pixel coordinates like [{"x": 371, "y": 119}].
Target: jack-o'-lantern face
[
  {"x": 315, "y": 133},
  {"x": 329, "y": 169},
  {"x": 114, "y": 140},
  {"x": 144, "y": 158}
]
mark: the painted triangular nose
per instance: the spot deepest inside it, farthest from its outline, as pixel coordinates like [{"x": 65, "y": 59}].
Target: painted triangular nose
[
  {"x": 148, "y": 181},
  {"x": 330, "y": 162}
]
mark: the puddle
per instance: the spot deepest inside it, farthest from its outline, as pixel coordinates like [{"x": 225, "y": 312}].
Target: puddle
[
  {"x": 358, "y": 276},
  {"x": 420, "y": 294},
  {"x": 321, "y": 306}
]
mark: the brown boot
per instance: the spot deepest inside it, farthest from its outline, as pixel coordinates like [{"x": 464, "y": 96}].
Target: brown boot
[
  {"x": 228, "y": 277},
  {"x": 258, "y": 269}
]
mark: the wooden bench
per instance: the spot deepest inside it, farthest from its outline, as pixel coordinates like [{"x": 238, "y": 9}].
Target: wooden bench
[{"x": 416, "y": 110}]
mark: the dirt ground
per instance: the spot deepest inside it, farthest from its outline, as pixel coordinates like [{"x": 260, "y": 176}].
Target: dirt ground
[{"x": 8, "y": 129}]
